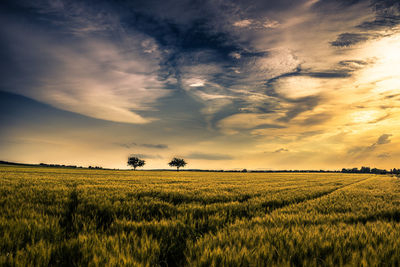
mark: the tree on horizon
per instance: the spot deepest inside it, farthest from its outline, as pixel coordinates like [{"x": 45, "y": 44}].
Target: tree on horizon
[
  {"x": 135, "y": 162},
  {"x": 177, "y": 162}
]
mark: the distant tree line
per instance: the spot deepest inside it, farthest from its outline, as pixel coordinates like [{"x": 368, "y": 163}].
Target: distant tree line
[
  {"x": 58, "y": 165},
  {"x": 178, "y": 163},
  {"x": 371, "y": 170},
  {"x": 67, "y": 166},
  {"x": 95, "y": 167}
]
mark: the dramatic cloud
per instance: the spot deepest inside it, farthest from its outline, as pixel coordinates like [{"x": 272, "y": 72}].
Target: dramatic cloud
[
  {"x": 387, "y": 16},
  {"x": 79, "y": 68},
  {"x": 349, "y": 39},
  {"x": 226, "y": 77}
]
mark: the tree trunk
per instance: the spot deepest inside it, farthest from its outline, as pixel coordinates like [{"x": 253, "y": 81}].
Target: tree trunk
[{"x": 177, "y": 169}]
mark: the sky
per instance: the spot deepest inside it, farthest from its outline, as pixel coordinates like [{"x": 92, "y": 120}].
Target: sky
[{"x": 256, "y": 84}]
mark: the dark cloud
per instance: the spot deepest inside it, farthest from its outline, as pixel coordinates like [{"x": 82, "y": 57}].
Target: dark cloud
[
  {"x": 130, "y": 145},
  {"x": 158, "y": 146},
  {"x": 392, "y": 96},
  {"x": 280, "y": 150},
  {"x": 147, "y": 156},
  {"x": 349, "y": 39},
  {"x": 299, "y": 106},
  {"x": 317, "y": 119},
  {"x": 382, "y": 140},
  {"x": 339, "y": 4},
  {"x": 380, "y": 118},
  {"x": 384, "y": 155},
  {"x": 155, "y": 146},
  {"x": 189, "y": 33},
  {"x": 188, "y": 37},
  {"x": 270, "y": 126},
  {"x": 344, "y": 69},
  {"x": 329, "y": 74},
  {"x": 206, "y": 156},
  {"x": 380, "y": 23},
  {"x": 387, "y": 16}
]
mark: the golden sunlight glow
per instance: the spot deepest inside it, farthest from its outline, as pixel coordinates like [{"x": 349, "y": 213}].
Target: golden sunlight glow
[
  {"x": 385, "y": 72},
  {"x": 365, "y": 116}
]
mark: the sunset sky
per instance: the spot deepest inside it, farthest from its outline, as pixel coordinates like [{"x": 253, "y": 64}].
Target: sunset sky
[{"x": 307, "y": 84}]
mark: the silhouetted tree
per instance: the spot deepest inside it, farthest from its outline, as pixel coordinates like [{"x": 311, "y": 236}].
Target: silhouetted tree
[
  {"x": 136, "y": 162},
  {"x": 176, "y": 162}
]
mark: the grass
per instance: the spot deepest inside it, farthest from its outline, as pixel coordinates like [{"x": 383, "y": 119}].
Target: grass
[{"x": 75, "y": 217}]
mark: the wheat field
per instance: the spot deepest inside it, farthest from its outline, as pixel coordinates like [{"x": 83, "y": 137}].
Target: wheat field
[{"x": 82, "y": 217}]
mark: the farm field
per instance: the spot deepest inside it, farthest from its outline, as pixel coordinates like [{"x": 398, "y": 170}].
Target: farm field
[{"x": 80, "y": 217}]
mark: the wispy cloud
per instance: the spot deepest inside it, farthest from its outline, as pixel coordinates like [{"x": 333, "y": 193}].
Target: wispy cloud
[
  {"x": 151, "y": 146},
  {"x": 382, "y": 140},
  {"x": 147, "y": 156},
  {"x": 208, "y": 156},
  {"x": 87, "y": 72},
  {"x": 280, "y": 150}
]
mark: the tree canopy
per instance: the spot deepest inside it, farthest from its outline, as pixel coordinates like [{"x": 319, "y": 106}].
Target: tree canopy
[
  {"x": 177, "y": 162},
  {"x": 136, "y": 162}
]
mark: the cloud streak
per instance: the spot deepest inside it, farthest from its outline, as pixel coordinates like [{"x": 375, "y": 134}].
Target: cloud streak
[
  {"x": 151, "y": 146},
  {"x": 382, "y": 140},
  {"x": 207, "y": 156},
  {"x": 349, "y": 39}
]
